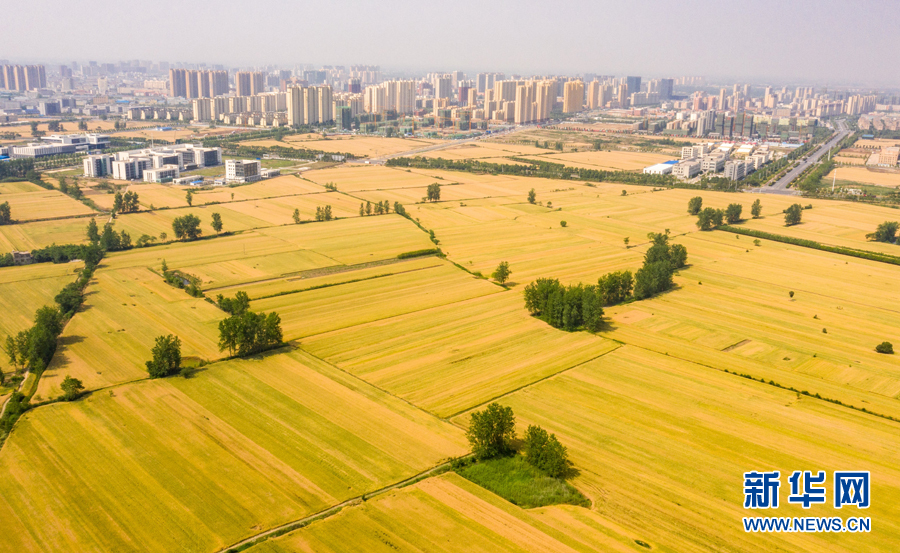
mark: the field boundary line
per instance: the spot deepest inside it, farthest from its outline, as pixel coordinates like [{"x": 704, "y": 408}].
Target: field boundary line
[
  {"x": 330, "y": 511},
  {"x": 375, "y": 386},
  {"x": 773, "y": 384},
  {"x": 538, "y": 381}
]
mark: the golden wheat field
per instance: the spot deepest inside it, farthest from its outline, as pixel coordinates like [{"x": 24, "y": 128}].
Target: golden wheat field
[{"x": 396, "y": 329}]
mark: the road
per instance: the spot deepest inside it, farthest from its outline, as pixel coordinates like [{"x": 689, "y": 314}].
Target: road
[{"x": 781, "y": 186}]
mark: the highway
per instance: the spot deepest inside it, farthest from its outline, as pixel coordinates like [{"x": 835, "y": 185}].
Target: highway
[{"x": 781, "y": 186}]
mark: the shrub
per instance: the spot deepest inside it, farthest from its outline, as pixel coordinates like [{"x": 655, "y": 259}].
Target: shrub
[{"x": 885, "y": 347}]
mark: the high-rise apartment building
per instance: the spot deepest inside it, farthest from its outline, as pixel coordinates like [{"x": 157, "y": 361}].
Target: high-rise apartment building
[
  {"x": 443, "y": 86},
  {"x": 593, "y": 94},
  {"x": 22, "y": 77},
  {"x": 573, "y": 97},
  {"x": 248, "y": 83}
]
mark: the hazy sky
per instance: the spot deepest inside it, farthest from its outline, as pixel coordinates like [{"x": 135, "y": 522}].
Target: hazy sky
[{"x": 822, "y": 41}]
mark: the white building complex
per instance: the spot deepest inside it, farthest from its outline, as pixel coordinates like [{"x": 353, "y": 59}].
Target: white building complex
[{"x": 132, "y": 164}]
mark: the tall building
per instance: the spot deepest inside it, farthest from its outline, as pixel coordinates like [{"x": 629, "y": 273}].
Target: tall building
[
  {"x": 22, "y": 77},
  {"x": 248, "y": 83},
  {"x": 443, "y": 86},
  {"x": 573, "y": 97},
  {"x": 505, "y": 91},
  {"x": 462, "y": 94},
  {"x": 593, "y": 94},
  {"x": 633, "y": 84},
  {"x": 178, "y": 83},
  {"x": 666, "y": 88}
]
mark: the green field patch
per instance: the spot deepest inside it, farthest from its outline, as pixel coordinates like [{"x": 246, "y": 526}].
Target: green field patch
[{"x": 513, "y": 479}]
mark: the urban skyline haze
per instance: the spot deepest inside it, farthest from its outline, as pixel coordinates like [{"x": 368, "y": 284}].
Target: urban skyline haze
[{"x": 822, "y": 42}]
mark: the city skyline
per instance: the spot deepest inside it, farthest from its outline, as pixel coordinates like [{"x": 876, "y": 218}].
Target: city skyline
[{"x": 760, "y": 42}]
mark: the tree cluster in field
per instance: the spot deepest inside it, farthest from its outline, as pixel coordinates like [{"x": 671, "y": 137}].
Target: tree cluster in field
[
  {"x": 433, "y": 193},
  {"x": 400, "y": 210},
  {"x": 187, "y": 227},
  {"x": 234, "y": 306},
  {"x": 5, "y": 214},
  {"x": 579, "y": 305},
  {"x": 378, "y": 208},
  {"x": 565, "y": 307},
  {"x": 660, "y": 263},
  {"x": 189, "y": 283},
  {"x": 125, "y": 203},
  {"x": 245, "y": 332},
  {"x": 109, "y": 240},
  {"x": 166, "y": 358},
  {"x": 331, "y": 186},
  {"x": 885, "y": 347},
  {"x": 492, "y": 433},
  {"x": 793, "y": 215},
  {"x": 324, "y": 213},
  {"x": 885, "y": 232}
]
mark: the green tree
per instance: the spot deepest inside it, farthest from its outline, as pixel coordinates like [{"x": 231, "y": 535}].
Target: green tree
[
  {"x": 626, "y": 240},
  {"x": 71, "y": 387},
  {"x": 368, "y": 208},
  {"x": 93, "y": 233},
  {"x": 733, "y": 213},
  {"x": 296, "y": 216},
  {"x": 885, "y": 347},
  {"x": 501, "y": 273},
  {"x": 615, "y": 287},
  {"x": 544, "y": 452},
  {"x": 756, "y": 209},
  {"x": 166, "y": 357},
  {"x": 249, "y": 333},
  {"x": 563, "y": 224},
  {"x": 532, "y": 196},
  {"x": 710, "y": 218},
  {"x": 187, "y": 227},
  {"x": 189, "y": 197},
  {"x": 492, "y": 431},
  {"x": 69, "y": 298},
  {"x": 885, "y": 232},
  {"x": 362, "y": 209},
  {"x": 433, "y": 193},
  {"x": 793, "y": 215},
  {"x": 12, "y": 353},
  {"x": 234, "y": 306},
  {"x": 117, "y": 202},
  {"x": 216, "y": 222},
  {"x": 5, "y": 214}
]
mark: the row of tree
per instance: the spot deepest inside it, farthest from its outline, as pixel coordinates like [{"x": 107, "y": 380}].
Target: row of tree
[
  {"x": 709, "y": 218},
  {"x": 492, "y": 433},
  {"x": 379, "y": 208},
  {"x": 125, "y": 203},
  {"x": 324, "y": 213}
]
